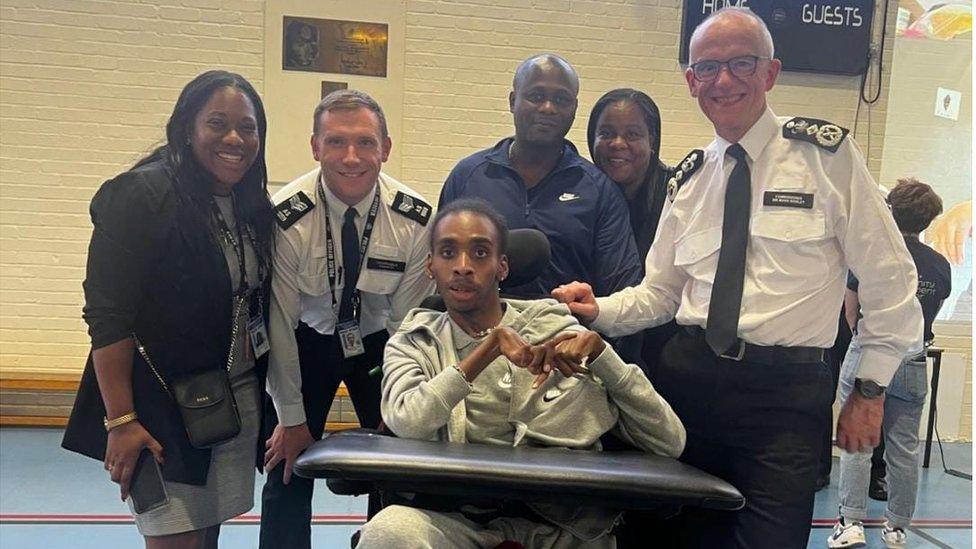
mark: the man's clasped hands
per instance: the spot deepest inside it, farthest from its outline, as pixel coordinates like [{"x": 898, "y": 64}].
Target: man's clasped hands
[{"x": 566, "y": 352}]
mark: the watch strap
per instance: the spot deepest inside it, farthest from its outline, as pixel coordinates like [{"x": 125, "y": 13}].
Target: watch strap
[{"x": 868, "y": 389}]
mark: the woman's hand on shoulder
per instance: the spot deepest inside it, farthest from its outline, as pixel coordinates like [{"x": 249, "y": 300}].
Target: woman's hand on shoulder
[{"x": 125, "y": 443}]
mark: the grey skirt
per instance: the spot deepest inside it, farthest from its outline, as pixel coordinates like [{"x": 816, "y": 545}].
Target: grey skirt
[{"x": 229, "y": 491}]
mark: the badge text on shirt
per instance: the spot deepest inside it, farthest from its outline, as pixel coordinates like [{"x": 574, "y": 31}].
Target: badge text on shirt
[
  {"x": 788, "y": 199},
  {"x": 385, "y": 264}
]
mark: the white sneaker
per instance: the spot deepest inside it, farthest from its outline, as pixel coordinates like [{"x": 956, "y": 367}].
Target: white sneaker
[
  {"x": 846, "y": 534},
  {"x": 893, "y": 538}
]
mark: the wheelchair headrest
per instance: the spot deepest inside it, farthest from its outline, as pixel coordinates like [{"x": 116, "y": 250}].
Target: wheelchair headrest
[{"x": 528, "y": 254}]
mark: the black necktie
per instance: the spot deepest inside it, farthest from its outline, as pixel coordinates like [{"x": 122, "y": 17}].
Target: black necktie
[
  {"x": 350, "y": 263},
  {"x": 723, "y": 307}
]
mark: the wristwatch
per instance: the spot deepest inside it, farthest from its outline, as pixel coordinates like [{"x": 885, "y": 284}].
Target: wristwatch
[{"x": 868, "y": 389}]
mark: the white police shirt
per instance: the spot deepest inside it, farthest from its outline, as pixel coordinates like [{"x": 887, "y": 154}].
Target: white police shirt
[
  {"x": 797, "y": 257},
  {"x": 391, "y": 282}
]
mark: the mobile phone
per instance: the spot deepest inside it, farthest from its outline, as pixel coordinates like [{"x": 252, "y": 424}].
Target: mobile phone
[{"x": 146, "y": 488}]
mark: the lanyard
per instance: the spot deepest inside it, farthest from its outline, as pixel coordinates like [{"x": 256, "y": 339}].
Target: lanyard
[
  {"x": 237, "y": 243},
  {"x": 330, "y": 260}
]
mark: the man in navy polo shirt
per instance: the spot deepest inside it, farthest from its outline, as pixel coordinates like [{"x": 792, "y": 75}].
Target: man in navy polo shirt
[{"x": 537, "y": 179}]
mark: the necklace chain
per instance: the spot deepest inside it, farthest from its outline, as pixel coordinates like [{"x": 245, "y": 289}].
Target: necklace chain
[
  {"x": 483, "y": 333},
  {"x": 480, "y": 334}
]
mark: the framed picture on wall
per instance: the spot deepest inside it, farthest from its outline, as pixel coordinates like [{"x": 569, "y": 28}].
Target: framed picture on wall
[
  {"x": 300, "y": 47},
  {"x": 334, "y": 46},
  {"x": 329, "y": 87}
]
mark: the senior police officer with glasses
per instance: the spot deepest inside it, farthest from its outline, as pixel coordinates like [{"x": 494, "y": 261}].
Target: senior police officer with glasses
[
  {"x": 349, "y": 264},
  {"x": 752, "y": 259}
]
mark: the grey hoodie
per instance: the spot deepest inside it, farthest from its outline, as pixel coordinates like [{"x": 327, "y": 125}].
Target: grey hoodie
[{"x": 423, "y": 398}]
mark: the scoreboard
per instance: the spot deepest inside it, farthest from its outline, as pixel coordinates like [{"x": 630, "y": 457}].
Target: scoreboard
[{"x": 832, "y": 36}]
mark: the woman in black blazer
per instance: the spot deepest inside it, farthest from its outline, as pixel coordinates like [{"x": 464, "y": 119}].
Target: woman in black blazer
[{"x": 178, "y": 241}]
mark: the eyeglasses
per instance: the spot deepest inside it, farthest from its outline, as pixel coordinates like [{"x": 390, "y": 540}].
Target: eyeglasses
[{"x": 742, "y": 66}]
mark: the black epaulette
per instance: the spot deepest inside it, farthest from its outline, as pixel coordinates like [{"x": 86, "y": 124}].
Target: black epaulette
[
  {"x": 412, "y": 208},
  {"x": 688, "y": 166},
  {"x": 293, "y": 209},
  {"x": 826, "y": 135}
]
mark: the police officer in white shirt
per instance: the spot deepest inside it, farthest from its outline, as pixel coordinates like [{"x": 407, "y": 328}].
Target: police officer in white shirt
[
  {"x": 349, "y": 264},
  {"x": 752, "y": 259}
]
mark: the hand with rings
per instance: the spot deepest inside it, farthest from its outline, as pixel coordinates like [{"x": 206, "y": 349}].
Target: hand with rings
[{"x": 125, "y": 443}]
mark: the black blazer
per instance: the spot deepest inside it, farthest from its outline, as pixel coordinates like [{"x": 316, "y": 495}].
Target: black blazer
[
  {"x": 645, "y": 214},
  {"x": 150, "y": 272},
  {"x": 645, "y": 209}
]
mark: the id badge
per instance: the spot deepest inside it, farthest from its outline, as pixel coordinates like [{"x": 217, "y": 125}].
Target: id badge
[
  {"x": 258, "y": 335},
  {"x": 351, "y": 338}
]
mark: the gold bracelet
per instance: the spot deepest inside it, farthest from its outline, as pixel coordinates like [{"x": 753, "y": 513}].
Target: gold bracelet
[
  {"x": 463, "y": 375},
  {"x": 121, "y": 420}
]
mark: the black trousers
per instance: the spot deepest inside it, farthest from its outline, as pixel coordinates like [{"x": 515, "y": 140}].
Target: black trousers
[
  {"x": 286, "y": 509},
  {"x": 654, "y": 341},
  {"x": 757, "y": 426}
]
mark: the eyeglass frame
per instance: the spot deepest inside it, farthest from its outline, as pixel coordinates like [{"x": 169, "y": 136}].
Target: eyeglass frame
[{"x": 727, "y": 64}]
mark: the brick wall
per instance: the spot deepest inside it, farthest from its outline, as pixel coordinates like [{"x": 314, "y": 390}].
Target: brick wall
[{"x": 85, "y": 90}]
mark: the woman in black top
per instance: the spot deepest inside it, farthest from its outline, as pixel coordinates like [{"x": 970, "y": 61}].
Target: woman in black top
[
  {"x": 181, "y": 241},
  {"x": 624, "y": 138}
]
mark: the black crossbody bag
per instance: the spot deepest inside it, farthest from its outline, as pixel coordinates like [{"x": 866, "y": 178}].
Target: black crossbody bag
[{"x": 205, "y": 399}]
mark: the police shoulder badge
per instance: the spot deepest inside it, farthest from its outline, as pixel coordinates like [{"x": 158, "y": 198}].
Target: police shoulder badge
[
  {"x": 826, "y": 135},
  {"x": 685, "y": 169},
  {"x": 411, "y": 207},
  {"x": 293, "y": 209}
]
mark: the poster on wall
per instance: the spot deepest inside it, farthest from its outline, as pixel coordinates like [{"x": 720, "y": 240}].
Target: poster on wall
[
  {"x": 947, "y": 103},
  {"x": 935, "y": 19},
  {"x": 941, "y": 151},
  {"x": 334, "y": 46}
]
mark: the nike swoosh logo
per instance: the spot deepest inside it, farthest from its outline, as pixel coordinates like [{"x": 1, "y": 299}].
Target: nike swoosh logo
[
  {"x": 566, "y": 197},
  {"x": 551, "y": 395}
]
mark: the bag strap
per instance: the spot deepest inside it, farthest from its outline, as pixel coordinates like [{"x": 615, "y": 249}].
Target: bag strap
[{"x": 235, "y": 328}]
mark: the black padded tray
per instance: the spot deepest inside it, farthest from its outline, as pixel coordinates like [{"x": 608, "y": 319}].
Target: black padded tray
[{"x": 631, "y": 480}]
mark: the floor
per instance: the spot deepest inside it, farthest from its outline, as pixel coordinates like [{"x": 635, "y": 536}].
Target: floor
[
  {"x": 943, "y": 512},
  {"x": 52, "y": 498}
]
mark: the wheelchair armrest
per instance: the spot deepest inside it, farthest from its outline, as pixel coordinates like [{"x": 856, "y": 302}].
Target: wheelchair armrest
[
  {"x": 347, "y": 487},
  {"x": 626, "y": 480},
  {"x": 344, "y": 487}
]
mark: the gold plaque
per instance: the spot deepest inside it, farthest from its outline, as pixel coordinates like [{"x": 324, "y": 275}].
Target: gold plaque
[
  {"x": 329, "y": 87},
  {"x": 329, "y": 45}
]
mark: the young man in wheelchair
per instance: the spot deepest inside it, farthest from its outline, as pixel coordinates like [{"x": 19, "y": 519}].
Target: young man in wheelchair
[{"x": 505, "y": 372}]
